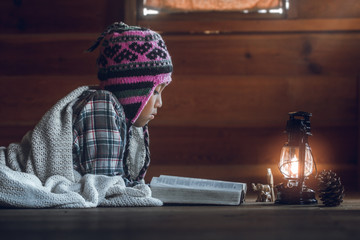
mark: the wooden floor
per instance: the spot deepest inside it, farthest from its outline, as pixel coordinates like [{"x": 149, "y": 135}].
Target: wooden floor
[{"x": 249, "y": 221}]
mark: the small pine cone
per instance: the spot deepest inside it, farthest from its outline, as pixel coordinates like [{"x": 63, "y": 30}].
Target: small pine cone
[{"x": 331, "y": 191}]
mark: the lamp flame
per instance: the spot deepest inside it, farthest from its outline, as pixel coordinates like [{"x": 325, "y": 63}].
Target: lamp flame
[
  {"x": 289, "y": 162},
  {"x": 294, "y": 166}
]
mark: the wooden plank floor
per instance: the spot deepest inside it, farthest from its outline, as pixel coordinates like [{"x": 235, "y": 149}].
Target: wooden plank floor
[{"x": 249, "y": 221}]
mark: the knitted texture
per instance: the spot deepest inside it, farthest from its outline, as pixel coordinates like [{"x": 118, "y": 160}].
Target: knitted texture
[
  {"x": 38, "y": 172},
  {"x": 137, "y": 152},
  {"x": 132, "y": 62}
]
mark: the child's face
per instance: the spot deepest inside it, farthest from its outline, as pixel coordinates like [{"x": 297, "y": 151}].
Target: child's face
[{"x": 151, "y": 107}]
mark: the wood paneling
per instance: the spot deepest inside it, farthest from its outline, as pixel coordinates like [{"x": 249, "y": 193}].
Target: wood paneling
[
  {"x": 257, "y": 101},
  {"x": 203, "y": 100},
  {"x": 226, "y": 145},
  {"x": 288, "y": 54},
  {"x": 251, "y": 26},
  {"x": 24, "y": 101},
  {"x": 266, "y": 54},
  {"x": 328, "y": 8},
  {"x": 13, "y": 134},
  {"x": 43, "y": 16},
  {"x": 47, "y": 54}
]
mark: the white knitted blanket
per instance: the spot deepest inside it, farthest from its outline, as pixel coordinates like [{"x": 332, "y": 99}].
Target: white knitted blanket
[{"x": 38, "y": 172}]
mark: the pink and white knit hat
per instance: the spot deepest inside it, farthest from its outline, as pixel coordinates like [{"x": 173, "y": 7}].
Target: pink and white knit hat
[{"x": 132, "y": 62}]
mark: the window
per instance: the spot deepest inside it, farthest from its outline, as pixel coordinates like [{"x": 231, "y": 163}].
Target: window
[
  {"x": 215, "y": 8},
  {"x": 212, "y": 20}
]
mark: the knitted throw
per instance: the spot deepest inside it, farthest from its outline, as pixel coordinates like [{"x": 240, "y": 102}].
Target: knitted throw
[{"x": 38, "y": 172}]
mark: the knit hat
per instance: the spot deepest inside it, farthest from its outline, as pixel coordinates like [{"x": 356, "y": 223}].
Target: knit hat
[{"x": 132, "y": 62}]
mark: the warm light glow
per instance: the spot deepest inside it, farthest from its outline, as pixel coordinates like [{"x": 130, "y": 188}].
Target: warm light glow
[
  {"x": 289, "y": 162},
  {"x": 294, "y": 166}
]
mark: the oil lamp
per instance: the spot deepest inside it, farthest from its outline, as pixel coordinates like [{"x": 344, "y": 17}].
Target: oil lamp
[{"x": 296, "y": 162}]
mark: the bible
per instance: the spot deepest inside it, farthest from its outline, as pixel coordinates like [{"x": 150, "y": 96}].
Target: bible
[{"x": 185, "y": 190}]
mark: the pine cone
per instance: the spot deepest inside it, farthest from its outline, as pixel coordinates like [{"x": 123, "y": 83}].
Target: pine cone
[{"x": 331, "y": 191}]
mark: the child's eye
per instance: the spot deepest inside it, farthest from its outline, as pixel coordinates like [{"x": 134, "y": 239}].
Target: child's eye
[{"x": 156, "y": 92}]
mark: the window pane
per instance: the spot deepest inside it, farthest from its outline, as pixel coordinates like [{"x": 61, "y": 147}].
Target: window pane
[{"x": 211, "y": 5}]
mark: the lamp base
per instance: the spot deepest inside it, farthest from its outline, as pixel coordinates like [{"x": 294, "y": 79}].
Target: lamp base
[{"x": 295, "y": 195}]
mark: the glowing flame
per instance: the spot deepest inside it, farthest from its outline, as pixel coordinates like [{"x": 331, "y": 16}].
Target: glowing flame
[{"x": 294, "y": 166}]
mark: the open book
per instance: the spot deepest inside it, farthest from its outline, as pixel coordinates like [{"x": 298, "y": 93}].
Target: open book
[{"x": 183, "y": 190}]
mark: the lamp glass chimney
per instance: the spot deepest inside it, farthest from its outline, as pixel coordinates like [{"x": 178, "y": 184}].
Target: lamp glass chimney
[{"x": 289, "y": 161}]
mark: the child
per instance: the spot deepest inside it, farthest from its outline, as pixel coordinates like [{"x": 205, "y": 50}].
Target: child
[
  {"x": 135, "y": 66},
  {"x": 92, "y": 147}
]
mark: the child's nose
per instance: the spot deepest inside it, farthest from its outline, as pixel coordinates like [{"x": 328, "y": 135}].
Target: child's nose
[{"x": 158, "y": 103}]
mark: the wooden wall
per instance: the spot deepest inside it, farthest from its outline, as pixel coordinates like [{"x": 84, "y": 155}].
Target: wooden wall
[
  {"x": 225, "y": 112},
  {"x": 42, "y": 46},
  {"x": 236, "y": 79}
]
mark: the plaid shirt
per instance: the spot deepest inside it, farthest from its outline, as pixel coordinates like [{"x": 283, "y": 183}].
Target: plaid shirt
[{"x": 99, "y": 134}]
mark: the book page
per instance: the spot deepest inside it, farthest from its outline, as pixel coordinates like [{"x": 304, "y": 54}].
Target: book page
[{"x": 198, "y": 183}]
